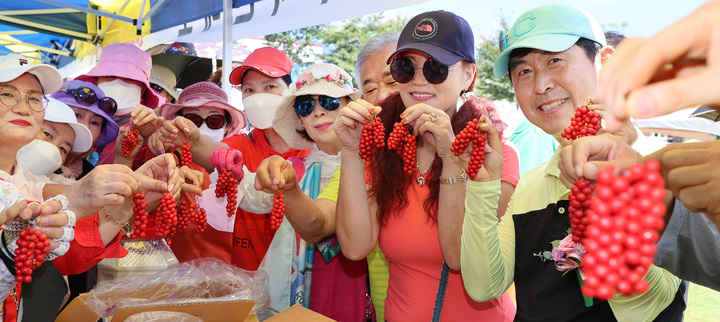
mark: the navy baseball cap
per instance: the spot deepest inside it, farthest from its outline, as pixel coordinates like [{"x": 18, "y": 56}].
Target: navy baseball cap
[{"x": 442, "y": 35}]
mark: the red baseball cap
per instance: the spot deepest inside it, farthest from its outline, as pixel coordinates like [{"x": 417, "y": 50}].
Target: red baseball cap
[{"x": 269, "y": 61}]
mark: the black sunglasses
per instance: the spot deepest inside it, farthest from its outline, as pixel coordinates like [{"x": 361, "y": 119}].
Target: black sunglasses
[
  {"x": 86, "y": 96},
  {"x": 215, "y": 121},
  {"x": 157, "y": 88},
  {"x": 304, "y": 105},
  {"x": 403, "y": 70}
]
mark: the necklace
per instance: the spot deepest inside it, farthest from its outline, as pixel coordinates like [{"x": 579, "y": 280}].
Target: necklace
[{"x": 421, "y": 178}]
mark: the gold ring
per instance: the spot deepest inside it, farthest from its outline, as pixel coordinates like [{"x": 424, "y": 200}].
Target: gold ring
[{"x": 433, "y": 117}]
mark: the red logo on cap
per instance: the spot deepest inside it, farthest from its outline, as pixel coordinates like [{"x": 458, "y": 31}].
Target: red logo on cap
[
  {"x": 425, "y": 29},
  {"x": 22, "y": 61}
]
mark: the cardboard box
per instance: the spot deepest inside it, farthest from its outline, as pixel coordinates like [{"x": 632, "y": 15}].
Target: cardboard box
[
  {"x": 207, "y": 310},
  {"x": 298, "y": 313}
]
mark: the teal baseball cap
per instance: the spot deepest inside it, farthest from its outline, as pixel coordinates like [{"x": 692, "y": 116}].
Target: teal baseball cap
[{"x": 552, "y": 28}]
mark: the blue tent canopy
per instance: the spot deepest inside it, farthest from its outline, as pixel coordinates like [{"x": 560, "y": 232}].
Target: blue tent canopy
[{"x": 46, "y": 29}]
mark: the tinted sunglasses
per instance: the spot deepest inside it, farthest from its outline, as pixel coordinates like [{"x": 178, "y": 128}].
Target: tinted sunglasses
[
  {"x": 157, "y": 88},
  {"x": 305, "y": 104},
  {"x": 86, "y": 96},
  {"x": 215, "y": 121},
  {"x": 403, "y": 70}
]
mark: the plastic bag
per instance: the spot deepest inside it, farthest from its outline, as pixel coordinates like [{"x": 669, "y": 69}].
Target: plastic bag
[
  {"x": 145, "y": 257},
  {"x": 162, "y": 316},
  {"x": 191, "y": 282}
]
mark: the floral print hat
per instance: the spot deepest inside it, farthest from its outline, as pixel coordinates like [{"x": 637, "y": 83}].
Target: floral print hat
[{"x": 317, "y": 79}]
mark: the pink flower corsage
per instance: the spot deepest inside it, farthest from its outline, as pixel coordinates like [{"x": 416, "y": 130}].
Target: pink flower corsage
[{"x": 567, "y": 256}]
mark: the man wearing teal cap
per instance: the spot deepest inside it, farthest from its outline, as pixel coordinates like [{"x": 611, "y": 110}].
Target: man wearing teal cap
[{"x": 553, "y": 55}]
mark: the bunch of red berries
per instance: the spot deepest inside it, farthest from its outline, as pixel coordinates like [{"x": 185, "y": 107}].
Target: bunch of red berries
[
  {"x": 227, "y": 186},
  {"x": 191, "y": 213},
  {"x": 166, "y": 217},
  {"x": 33, "y": 247},
  {"x": 373, "y": 135},
  {"x": 278, "y": 211},
  {"x": 579, "y": 211},
  {"x": 185, "y": 155},
  {"x": 140, "y": 224},
  {"x": 623, "y": 228},
  {"x": 585, "y": 122},
  {"x": 404, "y": 143},
  {"x": 129, "y": 141},
  {"x": 471, "y": 133}
]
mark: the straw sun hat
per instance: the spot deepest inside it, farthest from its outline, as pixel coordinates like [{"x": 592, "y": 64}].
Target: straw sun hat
[{"x": 317, "y": 79}]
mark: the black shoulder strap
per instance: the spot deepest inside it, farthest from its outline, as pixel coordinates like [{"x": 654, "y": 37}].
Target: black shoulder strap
[{"x": 440, "y": 297}]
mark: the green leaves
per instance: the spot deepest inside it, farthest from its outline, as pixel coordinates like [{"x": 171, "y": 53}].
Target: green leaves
[{"x": 487, "y": 85}]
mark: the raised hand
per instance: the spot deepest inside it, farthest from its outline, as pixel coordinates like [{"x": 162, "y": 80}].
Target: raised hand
[
  {"x": 156, "y": 145},
  {"x": 677, "y": 68},
  {"x": 432, "y": 124},
  {"x": 586, "y": 155},
  {"x": 108, "y": 184},
  {"x": 348, "y": 125},
  {"x": 228, "y": 159},
  {"x": 144, "y": 119},
  {"x": 177, "y": 130},
  {"x": 692, "y": 172},
  {"x": 493, "y": 164},
  {"x": 274, "y": 175}
]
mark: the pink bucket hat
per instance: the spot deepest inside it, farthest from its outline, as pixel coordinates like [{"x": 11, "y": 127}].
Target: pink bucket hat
[
  {"x": 206, "y": 94},
  {"x": 125, "y": 61}
]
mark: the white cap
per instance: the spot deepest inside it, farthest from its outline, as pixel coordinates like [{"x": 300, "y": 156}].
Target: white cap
[
  {"x": 60, "y": 112},
  {"x": 165, "y": 78},
  {"x": 13, "y": 66}
]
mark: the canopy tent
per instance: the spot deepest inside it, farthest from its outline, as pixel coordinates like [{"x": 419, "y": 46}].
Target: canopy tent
[
  {"x": 53, "y": 30},
  {"x": 681, "y": 124},
  {"x": 60, "y": 31}
]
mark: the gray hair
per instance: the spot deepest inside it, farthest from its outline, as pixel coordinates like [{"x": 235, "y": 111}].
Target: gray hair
[{"x": 373, "y": 45}]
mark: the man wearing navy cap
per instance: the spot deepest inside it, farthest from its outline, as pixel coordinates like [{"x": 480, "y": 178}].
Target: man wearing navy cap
[{"x": 553, "y": 55}]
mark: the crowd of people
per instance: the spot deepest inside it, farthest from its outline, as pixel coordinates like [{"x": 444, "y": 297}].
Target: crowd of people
[{"x": 367, "y": 235}]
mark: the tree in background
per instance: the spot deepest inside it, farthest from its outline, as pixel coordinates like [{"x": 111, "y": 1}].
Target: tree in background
[
  {"x": 297, "y": 43},
  {"x": 487, "y": 85},
  {"x": 346, "y": 41},
  {"x": 343, "y": 41}
]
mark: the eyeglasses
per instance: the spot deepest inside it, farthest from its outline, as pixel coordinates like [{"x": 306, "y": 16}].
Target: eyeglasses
[
  {"x": 86, "y": 96},
  {"x": 11, "y": 96},
  {"x": 156, "y": 88},
  {"x": 215, "y": 121},
  {"x": 304, "y": 105},
  {"x": 403, "y": 70}
]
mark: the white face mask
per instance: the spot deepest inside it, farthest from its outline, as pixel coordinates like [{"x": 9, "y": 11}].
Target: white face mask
[
  {"x": 214, "y": 135},
  {"x": 260, "y": 109},
  {"x": 40, "y": 157},
  {"x": 127, "y": 95}
]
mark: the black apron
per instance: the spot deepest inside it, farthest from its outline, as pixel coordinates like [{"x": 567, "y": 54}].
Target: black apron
[{"x": 543, "y": 293}]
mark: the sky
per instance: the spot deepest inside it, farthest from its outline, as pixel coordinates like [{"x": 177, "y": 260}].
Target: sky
[{"x": 643, "y": 18}]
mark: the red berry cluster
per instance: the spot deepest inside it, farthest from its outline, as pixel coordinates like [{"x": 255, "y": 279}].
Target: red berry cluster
[
  {"x": 278, "y": 211},
  {"x": 585, "y": 122},
  {"x": 33, "y": 247},
  {"x": 227, "y": 185},
  {"x": 191, "y": 213},
  {"x": 140, "y": 223},
  {"x": 166, "y": 217},
  {"x": 471, "y": 133},
  {"x": 579, "y": 211},
  {"x": 130, "y": 141},
  {"x": 373, "y": 135},
  {"x": 404, "y": 143},
  {"x": 623, "y": 229},
  {"x": 185, "y": 155}
]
